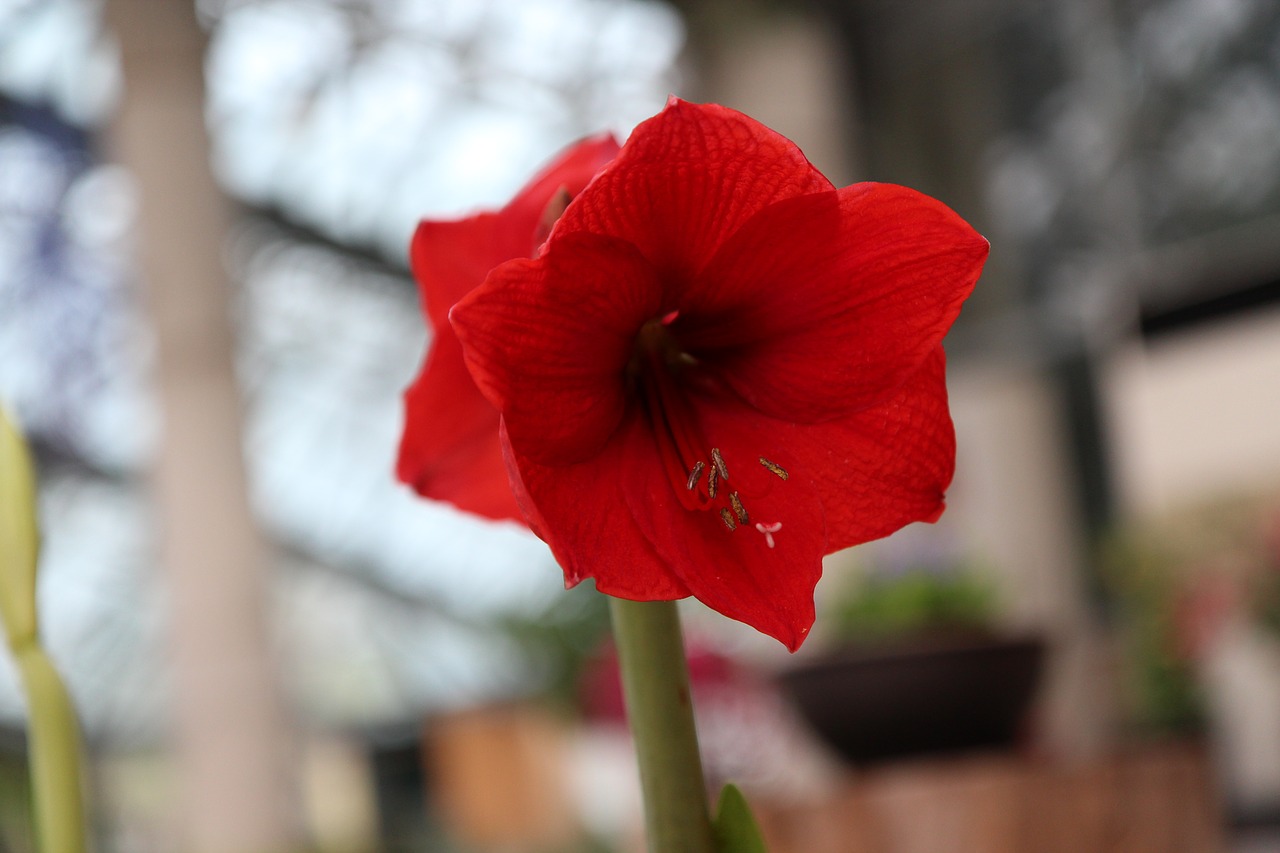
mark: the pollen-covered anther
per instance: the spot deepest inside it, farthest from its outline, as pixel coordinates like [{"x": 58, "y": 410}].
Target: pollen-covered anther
[
  {"x": 728, "y": 519},
  {"x": 774, "y": 468},
  {"x": 713, "y": 483},
  {"x": 738, "y": 509},
  {"x": 695, "y": 475},
  {"x": 768, "y": 530},
  {"x": 718, "y": 461}
]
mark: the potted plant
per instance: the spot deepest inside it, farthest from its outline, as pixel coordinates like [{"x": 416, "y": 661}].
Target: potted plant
[{"x": 916, "y": 667}]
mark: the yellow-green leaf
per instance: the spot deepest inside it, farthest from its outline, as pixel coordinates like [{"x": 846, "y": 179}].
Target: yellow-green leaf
[{"x": 19, "y": 537}]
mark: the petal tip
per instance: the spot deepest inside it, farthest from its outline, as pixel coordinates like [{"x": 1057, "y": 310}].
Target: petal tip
[
  {"x": 795, "y": 640},
  {"x": 790, "y": 632},
  {"x": 936, "y": 514}
]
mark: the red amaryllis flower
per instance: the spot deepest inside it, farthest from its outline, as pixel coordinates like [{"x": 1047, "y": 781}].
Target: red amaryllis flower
[
  {"x": 449, "y": 449},
  {"x": 721, "y": 368}
]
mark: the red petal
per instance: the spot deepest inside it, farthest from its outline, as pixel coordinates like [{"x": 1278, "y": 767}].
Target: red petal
[
  {"x": 847, "y": 482},
  {"x": 578, "y": 511},
  {"x": 736, "y": 572},
  {"x": 450, "y": 258},
  {"x": 822, "y": 305},
  {"x": 449, "y": 449},
  {"x": 573, "y": 170},
  {"x": 686, "y": 179},
  {"x": 548, "y": 342},
  {"x": 886, "y": 466}
]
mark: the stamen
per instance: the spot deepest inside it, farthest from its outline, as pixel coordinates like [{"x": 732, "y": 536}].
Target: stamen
[
  {"x": 768, "y": 530},
  {"x": 695, "y": 475},
  {"x": 718, "y": 461},
  {"x": 774, "y": 468},
  {"x": 713, "y": 483},
  {"x": 728, "y": 519},
  {"x": 738, "y": 509}
]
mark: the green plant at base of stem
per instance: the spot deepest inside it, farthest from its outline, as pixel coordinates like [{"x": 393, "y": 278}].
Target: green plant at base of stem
[{"x": 655, "y": 682}]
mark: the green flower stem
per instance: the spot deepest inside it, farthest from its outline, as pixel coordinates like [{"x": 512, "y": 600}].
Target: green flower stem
[
  {"x": 53, "y": 744},
  {"x": 655, "y": 682}
]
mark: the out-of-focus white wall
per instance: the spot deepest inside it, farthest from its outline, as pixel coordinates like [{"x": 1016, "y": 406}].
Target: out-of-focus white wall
[{"x": 1196, "y": 415}]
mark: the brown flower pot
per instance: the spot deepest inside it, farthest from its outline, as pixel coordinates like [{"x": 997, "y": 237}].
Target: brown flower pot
[{"x": 934, "y": 694}]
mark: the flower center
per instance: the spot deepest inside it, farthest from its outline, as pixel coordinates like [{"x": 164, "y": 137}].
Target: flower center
[{"x": 698, "y": 472}]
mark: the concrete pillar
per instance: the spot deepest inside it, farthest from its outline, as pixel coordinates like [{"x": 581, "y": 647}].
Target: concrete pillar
[{"x": 232, "y": 738}]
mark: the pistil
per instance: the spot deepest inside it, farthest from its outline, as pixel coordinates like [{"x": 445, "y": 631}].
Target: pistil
[
  {"x": 674, "y": 425},
  {"x": 655, "y": 369}
]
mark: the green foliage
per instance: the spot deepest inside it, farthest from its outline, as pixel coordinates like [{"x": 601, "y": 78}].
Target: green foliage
[
  {"x": 1144, "y": 582},
  {"x": 884, "y": 606},
  {"x": 735, "y": 827},
  {"x": 562, "y": 638}
]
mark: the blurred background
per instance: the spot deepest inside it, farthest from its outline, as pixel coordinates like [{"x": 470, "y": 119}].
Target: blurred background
[{"x": 206, "y": 322}]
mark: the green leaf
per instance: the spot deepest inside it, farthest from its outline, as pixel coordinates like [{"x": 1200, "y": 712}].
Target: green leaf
[{"x": 735, "y": 828}]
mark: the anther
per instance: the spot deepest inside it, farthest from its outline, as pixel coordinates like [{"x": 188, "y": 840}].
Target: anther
[
  {"x": 713, "y": 483},
  {"x": 694, "y": 475},
  {"x": 718, "y": 461},
  {"x": 774, "y": 468},
  {"x": 728, "y": 519},
  {"x": 768, "y": 530},
  {"x": 738, "y": 509}
]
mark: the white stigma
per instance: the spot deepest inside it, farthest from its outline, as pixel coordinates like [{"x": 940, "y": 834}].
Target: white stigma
[{"x": 768, "y": 530}]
